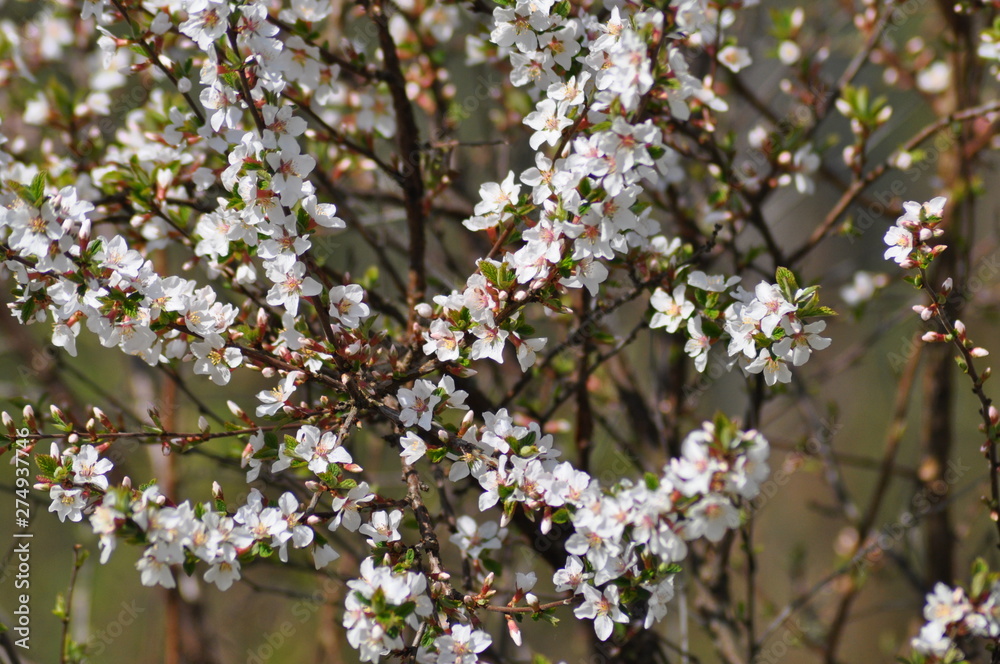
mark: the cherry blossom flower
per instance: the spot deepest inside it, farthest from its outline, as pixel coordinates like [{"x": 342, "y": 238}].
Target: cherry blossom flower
[
  {"x": 473, "y": 538},
  {"x": 319, "y": 450},
  {"x": 290, "y": 283},
  {"x": 671, "y": 309},
  {"x": 773, "y": 363},
  {"x": 383, "y": 527},
  {"x": 603, "y": 608},
  {"x": 346, "y": 305},
  {"x": 206, "y": 24},
  {"x": 87, "y": 469},
  {"x": 900, "y": 241},
  {"x": 417, "y": 404},
  {"x": 442, "y": 341},
  {"x": 734, "y": 58},
  {"x": 223, "y": 573},
  {"x": 462, "y": 645},
  {"x": 67, "y": 503},
  {"x": 413, "y": 448},
  {"x": 698, "y": 343},
  {"x": 714, "y": 283},
  {"x": 548, "y": 121},
  {"x": 347, "y": 507},
  {"x": 215, "y": 360},
  {"x": 274, "y": 399}
]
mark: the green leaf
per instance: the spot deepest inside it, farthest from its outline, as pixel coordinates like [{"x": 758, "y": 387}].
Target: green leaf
[
  {"x": 787, "y": 283},
  {"x": 46, "y": 465},
  {"x": 37, "y": 188},
  {"x": 436, "y": 454},
  {"x": 489, "y": 271},
  {"x": 60, "y": 609},
  {"x": 561, "y": 515},
  {"x": 652, "y": 481}
]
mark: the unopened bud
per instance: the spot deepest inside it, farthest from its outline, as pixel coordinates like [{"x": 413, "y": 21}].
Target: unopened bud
[
  {"x": 546, "y": 524},
  {"x": 513, "y": 630},
  {"x": 235, "y": 409},
  {"x": 520, "y": 296},
  {"x": 925, "y": 234},
  {"x": 127, "y": 482},
  {"x": 933, "y": 337},
  {"x": 29, "y": 416},
  {"x": 203, "y": 424},
  {"x": 947, "y": 286},
  {"x": 979, "y": 352},
  {"x": 960, "y": 329},
  {"x": 466, "y": 423},
  {"x": 442, "y": 435},
  {"x": 994, "y": 415},
  {"x": 424, "y": 309},
  {"x": 217, "y": 491}
]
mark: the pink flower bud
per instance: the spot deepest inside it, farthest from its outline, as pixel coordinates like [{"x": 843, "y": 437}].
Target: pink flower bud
[
  {"x": 932, "y": 337},
  {"x": 424, "y": 309},
  {"x": 960, "y": 329},
  {"x": 513, "y": 630},
  {"x": 979, "y": 352},
  {"x": 994, "y": 415},
  {"x": 947, "y": 286}
]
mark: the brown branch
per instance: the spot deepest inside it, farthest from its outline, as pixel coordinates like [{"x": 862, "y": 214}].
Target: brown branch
[
  {"x": 859, "y": 185},
  {"x": 408, "y": 136}
]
